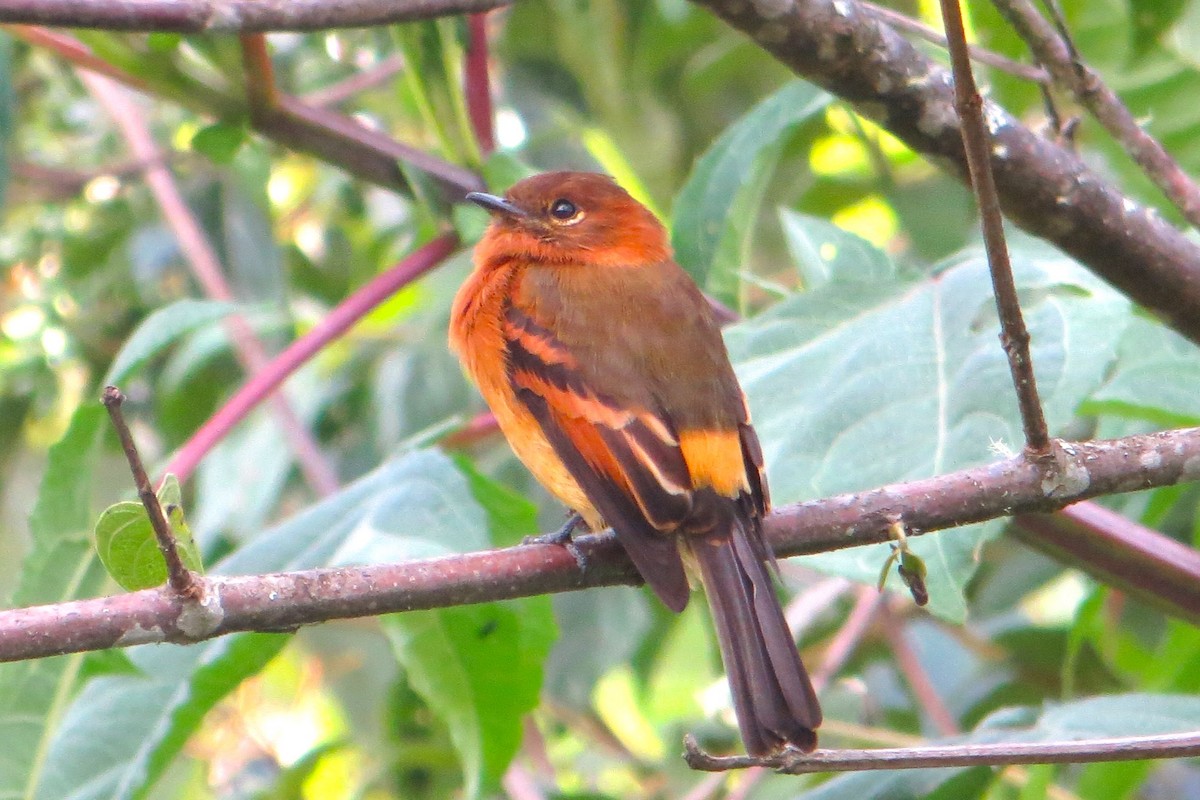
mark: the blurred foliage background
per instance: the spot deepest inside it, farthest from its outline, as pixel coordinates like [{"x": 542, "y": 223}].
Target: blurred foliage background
[{"x": 868, "y": 351}]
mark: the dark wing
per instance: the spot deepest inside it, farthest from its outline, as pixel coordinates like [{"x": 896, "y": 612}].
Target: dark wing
[{"x": 626, "y": 460}]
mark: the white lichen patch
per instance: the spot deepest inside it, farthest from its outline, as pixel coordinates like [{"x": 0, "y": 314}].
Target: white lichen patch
[
  {"x": 935, "y": 119},
  {"x": 1151, "y": 459},
  {"x": 199, "y": 618},
  {"x": 1071, "y": 479}
]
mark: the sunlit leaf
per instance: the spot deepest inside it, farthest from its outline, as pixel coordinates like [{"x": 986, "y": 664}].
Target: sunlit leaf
[{"x": 731, "y": 171}]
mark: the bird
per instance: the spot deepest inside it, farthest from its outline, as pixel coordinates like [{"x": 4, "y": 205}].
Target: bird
[{"x": 605, "y": 368}]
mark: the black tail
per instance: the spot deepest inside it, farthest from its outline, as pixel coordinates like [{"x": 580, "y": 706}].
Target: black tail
[{"x": 772, "y": 695}]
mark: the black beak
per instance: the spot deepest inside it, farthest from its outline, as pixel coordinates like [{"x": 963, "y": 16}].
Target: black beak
[{"x": 495, "y": 205}]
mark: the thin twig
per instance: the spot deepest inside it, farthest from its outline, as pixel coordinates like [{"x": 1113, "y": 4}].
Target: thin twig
[
  {"x": 1131, "y": 748},
  {"x": 1014, "y": 336},
  {"x": 1058, "y": 55},
  {"x": 866, "y": 608},
  {"x": 980, "y": 54},
  {"x": 267, "y": 380},
  {"x": 232, "y": 16},
  {"x": 75, "y": 52},
  {"x": 206, "y": 267},
  {"x": 183, "y": 582}
]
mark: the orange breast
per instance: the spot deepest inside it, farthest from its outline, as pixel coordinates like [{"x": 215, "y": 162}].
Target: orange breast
[{"x": 477, "y": 337}]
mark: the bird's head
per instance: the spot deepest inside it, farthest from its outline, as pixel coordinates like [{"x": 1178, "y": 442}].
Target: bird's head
[{"x": 570, "y": 218}]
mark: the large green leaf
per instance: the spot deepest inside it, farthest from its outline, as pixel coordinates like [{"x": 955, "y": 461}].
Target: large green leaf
[
  {"x": 405, "y": 509},
  {"x": 725, "y": 187},
  {"x": 872, "y": 379},
  {"x": 60, "y": 566},
  {"x": 479, "y": 667}
]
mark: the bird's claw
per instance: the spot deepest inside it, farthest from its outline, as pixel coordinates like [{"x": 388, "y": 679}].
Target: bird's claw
[{"x": 563, "y": 537}]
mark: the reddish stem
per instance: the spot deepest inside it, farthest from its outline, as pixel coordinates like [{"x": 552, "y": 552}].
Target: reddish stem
[
  {"x": 478, "y": 90},
  {"x": 300, "y": 351}
]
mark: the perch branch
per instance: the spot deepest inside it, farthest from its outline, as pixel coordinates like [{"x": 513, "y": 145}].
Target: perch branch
[{"x": 284, "y": 601}]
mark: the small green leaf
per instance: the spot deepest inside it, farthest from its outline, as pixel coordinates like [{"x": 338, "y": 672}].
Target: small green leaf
[
  {"x": 732, "y": 171},
  {"x": 219, "y": 141},
  {"x": 127, "y": 545}
]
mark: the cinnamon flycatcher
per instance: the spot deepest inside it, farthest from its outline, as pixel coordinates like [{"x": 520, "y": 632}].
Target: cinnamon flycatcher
[{"x": 607, "y": 373}]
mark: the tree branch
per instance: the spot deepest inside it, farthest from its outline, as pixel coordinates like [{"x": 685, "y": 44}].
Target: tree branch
[
  {"x": 231, "y": 16},
  {"x": 321, "y": 132},
  {"x": 285, "y": 601},
  {"x": 1102, "y": 102},
  {"x": 1044, "y": 188}
]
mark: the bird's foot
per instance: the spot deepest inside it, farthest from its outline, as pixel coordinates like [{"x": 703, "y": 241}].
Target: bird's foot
[{"x": 563, "y": 537}]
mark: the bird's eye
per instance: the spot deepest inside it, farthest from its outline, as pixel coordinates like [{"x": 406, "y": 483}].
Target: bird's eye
[{"x": 563, "y": 210}]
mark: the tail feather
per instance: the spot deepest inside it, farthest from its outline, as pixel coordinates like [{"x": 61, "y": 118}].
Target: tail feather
[{"x": 772, "y": 694}]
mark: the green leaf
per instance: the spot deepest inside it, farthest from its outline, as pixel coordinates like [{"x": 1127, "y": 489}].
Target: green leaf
[
  {"x": 60, "y": 566},
  {"x": 128, "y": 548},
  {"x": 163, "y": 42},
  {"x": 219, "y": 141},
  {"x": 1155, "y": 377},
  {"x": 872, "y": 379},
  {"x": 731, "y": 172},
  {"x": 122, "y": 731},
  {"x": 1151, "y": 18},
  {"x": 480, "y": 668},
  {"x": 821, "y": 250},
  {"x": 510, "y": 516},
  {"x": 159, "y": 331}
]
